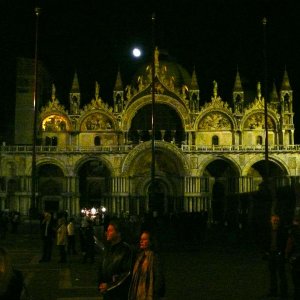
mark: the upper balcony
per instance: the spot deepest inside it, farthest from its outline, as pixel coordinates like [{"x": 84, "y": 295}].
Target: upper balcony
[{"x": 126, "y": 148}]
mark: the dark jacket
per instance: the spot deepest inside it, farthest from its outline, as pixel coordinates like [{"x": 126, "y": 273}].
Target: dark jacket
[
  {"x": 15, "y": 287},
  {"x": 50, "y": 232},
  {"x": 280, "y": 236},
  {"x": 115, "y": 271}
]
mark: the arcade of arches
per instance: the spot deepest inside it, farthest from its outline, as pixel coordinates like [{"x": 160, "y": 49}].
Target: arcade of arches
[{"x": 207, "y": 153}]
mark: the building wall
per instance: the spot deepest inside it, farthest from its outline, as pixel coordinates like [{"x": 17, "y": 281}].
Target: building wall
[{"x": 207, "y": 152}]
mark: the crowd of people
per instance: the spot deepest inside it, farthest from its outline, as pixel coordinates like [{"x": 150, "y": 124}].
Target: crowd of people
[
  {"x": 125, "y": 271},
  {"x": 130, "y": 266},
  {"x": 9, "y": 219}
]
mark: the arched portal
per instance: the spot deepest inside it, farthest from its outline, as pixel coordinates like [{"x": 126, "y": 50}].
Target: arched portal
[
  {"x": 258, "y": 172},
  {"x": 224, "y": 183},
  {"x": 50, "y": 187},
  {"x": 167, "y": 188},
  {"x": 158, "y": 195},
  {"x": 93, "y": 183}
]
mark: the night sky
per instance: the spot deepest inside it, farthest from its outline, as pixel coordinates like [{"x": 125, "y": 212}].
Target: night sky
[{"x": 95, "y": 38}]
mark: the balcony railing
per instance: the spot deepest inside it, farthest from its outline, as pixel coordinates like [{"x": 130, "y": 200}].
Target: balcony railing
[
  {"x": 127, "y": 148},
  {"x": 69, "y": 149},
  {"x": 239, "y": 148}
]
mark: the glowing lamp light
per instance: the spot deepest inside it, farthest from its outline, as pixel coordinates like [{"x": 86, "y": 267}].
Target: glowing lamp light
[{"x": 136, "y": 52}]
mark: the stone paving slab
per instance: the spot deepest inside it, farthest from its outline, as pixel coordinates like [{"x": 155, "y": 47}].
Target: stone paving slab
[{"x": 211, "y": 271}]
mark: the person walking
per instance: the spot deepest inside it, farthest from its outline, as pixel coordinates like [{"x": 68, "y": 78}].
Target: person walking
[
  {"x": 277, "y": 259},
  {"x": 293, "y": 255},
  {"x": 47, "y": 233},
  {"x": 71, "y": 237},
  {"x": 114, "y": 271},
  {"x": 61, "y": 239},
  {"x": 11, "y": 280},
  {"x": 89, "y": 242},
  {"x": 148, "y": 281}
]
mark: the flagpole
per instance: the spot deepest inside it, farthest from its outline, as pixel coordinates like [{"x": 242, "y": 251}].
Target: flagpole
[
  {"x": 152, "y": 183},
  {"x": 33, "y": 206}
]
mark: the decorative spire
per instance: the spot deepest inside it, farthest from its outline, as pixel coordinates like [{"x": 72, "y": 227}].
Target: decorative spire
[
  {"x": 274, "y": 95},
  {"x": 75, "y": 96},
  {"x": 285, "y": 82},
  {"x": 238, "y": 94},
  {"x": 194, "y": 93},
  {"x": 194, "y": 82},
  {"x": 118, "y": 84},
  {"x": 75, "y": 84},
  {"x": 237, "y": 84},
  {"x": 118, "y": 94}
]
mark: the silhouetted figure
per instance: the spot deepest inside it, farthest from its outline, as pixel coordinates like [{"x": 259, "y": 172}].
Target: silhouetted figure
[
  {"x": 11, "y": 280},
  {"x": 71, "y": 237},
  {"x": 61, "y": 239},
  {"x": 293, "y": 254},
  {"x": 276, "y": 258},
  {"x": 47, "y": 234},
  {"x": 88, "y": 242},
  {"x": 114, "y": 271}
]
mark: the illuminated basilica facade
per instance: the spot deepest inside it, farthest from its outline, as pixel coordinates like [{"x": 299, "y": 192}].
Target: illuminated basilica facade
[{"x": 207, "y": 151}]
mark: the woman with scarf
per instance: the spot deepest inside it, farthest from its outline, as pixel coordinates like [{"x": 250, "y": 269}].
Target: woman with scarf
[{"x": 148, "y": 281}]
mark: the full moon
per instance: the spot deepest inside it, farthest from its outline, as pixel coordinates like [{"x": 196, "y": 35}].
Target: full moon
[{"x": 136, "y": 52}]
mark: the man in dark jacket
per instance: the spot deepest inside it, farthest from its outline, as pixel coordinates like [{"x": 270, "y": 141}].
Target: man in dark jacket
[
  {"x": 114, "y": 272},
  {"x": 47, "y": 233},
  {"x": 276, "y": 258}
]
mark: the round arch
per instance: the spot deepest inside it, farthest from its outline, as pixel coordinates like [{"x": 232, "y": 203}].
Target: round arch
[
  {"x": 134, "y": 107},
  {"x": 168, "y": 149},
  {"x": 235, "y": 167},
  {"x": 97, "y": 120},
  {"x": 256, "y": 118},
  {"x": 260, "y": 158},
  {"x": 220, "y": 118},
  {"x": 50, "y": 161},
  {"x": 224, "y": 182},
  {"x": 55, "y": 122},
  {"x": 86, "y": 159}
]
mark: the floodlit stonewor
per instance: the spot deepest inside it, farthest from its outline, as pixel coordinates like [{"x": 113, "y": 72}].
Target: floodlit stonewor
[{"x": 209, "y": 153}]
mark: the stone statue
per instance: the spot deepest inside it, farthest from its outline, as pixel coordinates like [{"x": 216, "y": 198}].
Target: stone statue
[
  {"x": 215, "y": 89},
  {"x": 259, "y": 90},
  {"x": 97, "y": 89},
  {"x": 156, "y": 56}
]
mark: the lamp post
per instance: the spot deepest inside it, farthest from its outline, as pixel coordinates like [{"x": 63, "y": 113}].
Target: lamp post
[
  {"x": 35, "y": 109},
  {"x": 268, "y": 185},
  {"x": 152, "y": 183},
  {"x": 267, "y": 172}
]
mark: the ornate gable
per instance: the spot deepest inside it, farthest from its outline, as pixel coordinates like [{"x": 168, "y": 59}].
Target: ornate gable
[
  {"x": 216, "y": 104},
  {"x": 53, "y": 107},
  {"x": 96, "y": 104}
]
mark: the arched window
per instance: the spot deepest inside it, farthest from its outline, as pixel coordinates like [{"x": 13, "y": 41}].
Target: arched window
[
  {"x": 47, "y": 141},
  {"x": 97, "y": 141},
  {"x": 259, "y": 140},
  {"x": 215, "y": 140}
]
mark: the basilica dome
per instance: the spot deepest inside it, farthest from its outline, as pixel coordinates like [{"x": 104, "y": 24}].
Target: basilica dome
[{"x": 166, "y": 69}]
